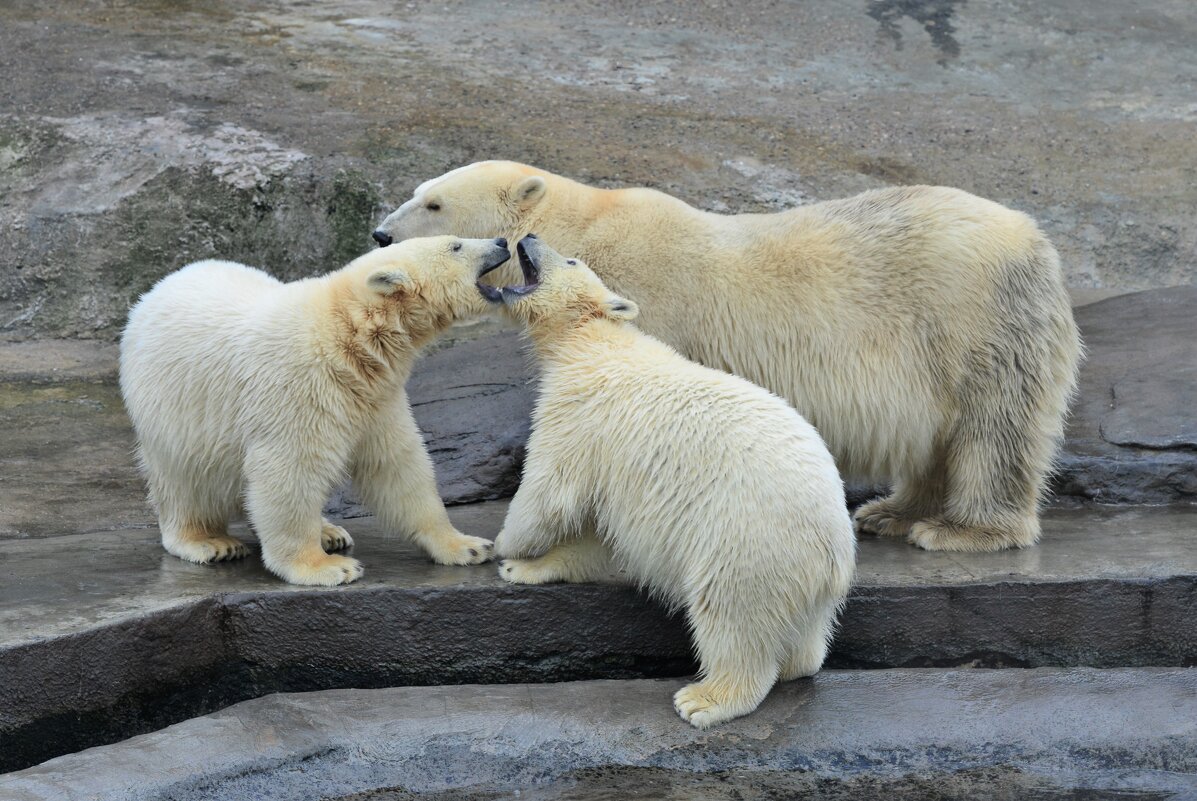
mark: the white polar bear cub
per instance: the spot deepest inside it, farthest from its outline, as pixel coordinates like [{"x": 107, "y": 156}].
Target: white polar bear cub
[
  {"x": 702, "y": 487},
  {"x": 247, "y": 391}
]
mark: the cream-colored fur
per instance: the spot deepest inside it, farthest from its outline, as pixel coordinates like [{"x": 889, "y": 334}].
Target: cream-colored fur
[
  {"x": 707, "y": 490},
  {"x": 925, "y": 332},
  {"x": 247, "y": 391}
]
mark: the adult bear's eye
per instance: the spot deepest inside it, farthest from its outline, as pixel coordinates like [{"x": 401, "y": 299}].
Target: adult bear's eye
[
  {"x": 456, "y": 246},
  {"x": 571, "y": 262},
  {"x": 433, "y": 207}
]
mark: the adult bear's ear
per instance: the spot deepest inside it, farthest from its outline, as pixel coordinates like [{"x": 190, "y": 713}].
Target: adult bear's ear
[
  {"x": 618, "y": 308},
  {"x": 387, "y": 281},
  {"x": 529, "y": 191}
]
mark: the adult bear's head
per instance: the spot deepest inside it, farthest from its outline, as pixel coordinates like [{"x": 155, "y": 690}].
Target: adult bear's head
[{"x": 485, "y": 199}]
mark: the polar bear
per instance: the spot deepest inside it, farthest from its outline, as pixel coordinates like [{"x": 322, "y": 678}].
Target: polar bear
[
  {"x": 926, "y": 333},
  {"x": 712, "y": 493},
  {"x": 247, "y": 391}
]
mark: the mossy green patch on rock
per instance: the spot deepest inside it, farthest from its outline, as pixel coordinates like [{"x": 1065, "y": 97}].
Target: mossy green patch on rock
[
  {"x": 85, "y": 273},
  {"x": 351, "y": 209}
]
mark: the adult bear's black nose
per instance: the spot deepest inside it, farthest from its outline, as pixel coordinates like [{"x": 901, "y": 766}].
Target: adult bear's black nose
[
  {"x": 501, "y": 242},
  {"x": 382, "y": 238}
]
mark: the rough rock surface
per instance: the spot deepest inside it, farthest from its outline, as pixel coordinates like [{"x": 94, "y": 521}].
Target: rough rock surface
[
  {"x": 135, "y": 137},
  {"x": 1013, "y": 733},
  {"x": 170, "y": 639},
  {"x": 473, "y": 403},
  {"x": 1133, "y": 433}
]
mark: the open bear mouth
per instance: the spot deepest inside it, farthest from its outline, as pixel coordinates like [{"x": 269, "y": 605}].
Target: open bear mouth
[
  {"x": 528, "y": 268},
  {"x": 489, "y": 292},
  {"x": 530, "y": 275}
]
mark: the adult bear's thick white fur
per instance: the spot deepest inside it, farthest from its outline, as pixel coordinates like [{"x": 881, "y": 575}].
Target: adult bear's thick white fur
[{"x": 925, "y": 332}]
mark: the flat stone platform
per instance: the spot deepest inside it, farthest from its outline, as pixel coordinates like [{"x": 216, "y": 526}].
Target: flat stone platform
[
  {"x": 894, "y": 734},
  {"x": 139, "y": 639}
]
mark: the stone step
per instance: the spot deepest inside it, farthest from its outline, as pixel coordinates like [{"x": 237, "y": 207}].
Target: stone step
[
  {"x": 139, "y": 639},
  {"x": 895, "y": 734}
]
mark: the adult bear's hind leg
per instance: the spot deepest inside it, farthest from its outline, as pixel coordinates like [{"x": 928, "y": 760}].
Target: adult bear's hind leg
[{"x": 997, "y": 462}]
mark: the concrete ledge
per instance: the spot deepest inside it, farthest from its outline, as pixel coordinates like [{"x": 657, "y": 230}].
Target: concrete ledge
[
  {"x": 1039, "y": 731},
  {"x": 138, "y": 639}
]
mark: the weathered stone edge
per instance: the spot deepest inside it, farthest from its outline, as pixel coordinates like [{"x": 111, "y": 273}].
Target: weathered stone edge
[
  {"x": 204, "y": 655},
  {"x": 1134, "y": 729}
]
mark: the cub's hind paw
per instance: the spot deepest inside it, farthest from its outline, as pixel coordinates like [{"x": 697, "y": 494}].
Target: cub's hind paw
[
  {"x": 939, "y": 535},
  {"x": 526, "y": 571},
  {"x": 221, "y": 548},
  {"x": 708, "y": 703}
]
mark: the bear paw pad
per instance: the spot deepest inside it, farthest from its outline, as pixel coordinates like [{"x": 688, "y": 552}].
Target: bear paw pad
[
  {"x": 937, "y": 535},
  {"x": 695, "y": 704},
  {"x": 334, "y": 538},
  {"x": 327, "y": 572},
  {"x": 211, "y": 549},
  {"x": 877, "y": 518},
  {"x": 523, "y": 571},
  {"x": 463, "y": 550}
]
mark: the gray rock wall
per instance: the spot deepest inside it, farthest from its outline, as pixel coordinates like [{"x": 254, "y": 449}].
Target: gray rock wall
[{"x": 137, "y": 137}]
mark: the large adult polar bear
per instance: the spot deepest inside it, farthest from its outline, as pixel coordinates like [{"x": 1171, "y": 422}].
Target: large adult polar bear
[
  {"x": 246, "y": 390},
  {"x": 925, "y": 332},
  {"x": 704, "y": 488}
]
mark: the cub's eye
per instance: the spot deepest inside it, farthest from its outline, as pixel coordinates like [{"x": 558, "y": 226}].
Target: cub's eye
[
  {"x": 456, "y": 246},
  {"x": 433, "y": 207},
  {"x": 572, "y": 262}
]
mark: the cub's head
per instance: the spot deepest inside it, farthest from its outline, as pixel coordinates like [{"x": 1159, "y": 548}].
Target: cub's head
[
  {"x": 426, "y": 284},
  {"x": 558, "y": 294},
  {"x": 489, "y": 198}
]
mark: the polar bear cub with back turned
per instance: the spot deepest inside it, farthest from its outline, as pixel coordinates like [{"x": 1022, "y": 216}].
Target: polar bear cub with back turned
[
  {"x": 703, "y": 488},
  {"x": 247, "y": 391}
]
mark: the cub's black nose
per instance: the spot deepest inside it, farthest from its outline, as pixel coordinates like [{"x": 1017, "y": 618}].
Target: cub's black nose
[
  {"x": 382, "y": 238},
  {"x": 501, "y": 242}
]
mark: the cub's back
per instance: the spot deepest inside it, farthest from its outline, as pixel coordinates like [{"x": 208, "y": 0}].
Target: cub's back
[
  {"x": 206, "y": 295},
  {"x": 643, "y": 408},
  {"x": 185, "y": 339}
]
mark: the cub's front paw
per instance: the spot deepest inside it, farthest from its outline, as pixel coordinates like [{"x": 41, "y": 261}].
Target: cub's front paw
[
  {"x": 459, "y": 549},
  {"x": 328, "y": 571}
]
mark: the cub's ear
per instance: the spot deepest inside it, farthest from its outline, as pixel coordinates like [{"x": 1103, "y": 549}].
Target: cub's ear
[
  {"x": 618, "y": 308},
  {"x": 529, "y": 191},
  {"x": 385, "y": 282}
]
